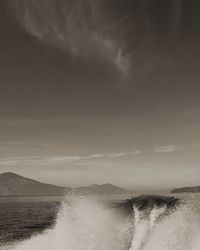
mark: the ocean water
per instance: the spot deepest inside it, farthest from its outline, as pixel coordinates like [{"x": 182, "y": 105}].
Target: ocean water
[
  {"x": 21, "y": 220},
  {"x": 83, "y": 223}
]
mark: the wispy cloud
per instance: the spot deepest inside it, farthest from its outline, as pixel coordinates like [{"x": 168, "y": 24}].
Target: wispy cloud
[
  {"x": 123, "y": 154},
  {"x": 166, "y": 149},
  {"x": 76, "y": 27},
  {"x": 58, "y": 160}
]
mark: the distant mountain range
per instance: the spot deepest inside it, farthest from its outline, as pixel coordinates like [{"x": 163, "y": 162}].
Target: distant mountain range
[
  {"x": 101, "y": 189},
  {"x": 186, "y": 190},
  {"x": 12, "y": 184}
]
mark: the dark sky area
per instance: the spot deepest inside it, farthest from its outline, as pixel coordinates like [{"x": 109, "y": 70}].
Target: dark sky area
[{"x": 101, "y": 91}]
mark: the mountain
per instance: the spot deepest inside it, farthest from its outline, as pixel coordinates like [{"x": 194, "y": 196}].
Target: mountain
[
  {"x": 186, "y": 190},
  {"x": 101, "y": 190},
  {"x": 12, "y": 184}
]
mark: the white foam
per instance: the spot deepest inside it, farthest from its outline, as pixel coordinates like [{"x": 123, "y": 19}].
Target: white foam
[
  {"x": 178, "y": 231},
  {"x": 143, "y": 225},
  {"x": 84, "y": 224}
]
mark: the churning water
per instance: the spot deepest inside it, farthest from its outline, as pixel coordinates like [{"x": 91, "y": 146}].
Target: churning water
[{"x": 83, "y": 224}]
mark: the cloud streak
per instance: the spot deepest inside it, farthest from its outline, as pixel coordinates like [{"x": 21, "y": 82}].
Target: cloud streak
[
  {"x": 123, "y": 154},
  {"x": 166, "y": 149},
  {"x": 57, "y": 160},
  {"x": 80, "y": 28},
  {"x": 123, "y": 35}
]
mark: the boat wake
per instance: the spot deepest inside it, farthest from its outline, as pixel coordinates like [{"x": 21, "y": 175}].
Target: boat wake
[{"x": 84, "y": 224}]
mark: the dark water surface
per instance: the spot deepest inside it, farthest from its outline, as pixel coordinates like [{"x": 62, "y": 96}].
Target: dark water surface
[{"x": 20, "y": 220}]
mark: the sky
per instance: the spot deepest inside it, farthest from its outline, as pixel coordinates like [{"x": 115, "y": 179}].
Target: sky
[{"x": 99, "y": 91}]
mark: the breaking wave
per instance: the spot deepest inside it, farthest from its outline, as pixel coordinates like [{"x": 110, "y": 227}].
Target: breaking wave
[{"x": 84, "y": 224}]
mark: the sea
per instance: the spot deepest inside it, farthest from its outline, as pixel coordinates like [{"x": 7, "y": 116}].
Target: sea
[{"x": 93, "y": 223}]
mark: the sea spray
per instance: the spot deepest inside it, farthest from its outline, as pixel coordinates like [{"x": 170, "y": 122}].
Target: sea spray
[
  {"x": 178, "y": 231},
  {"x": 144, "y": 222},
  {"x": 82, "y": 224}
]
